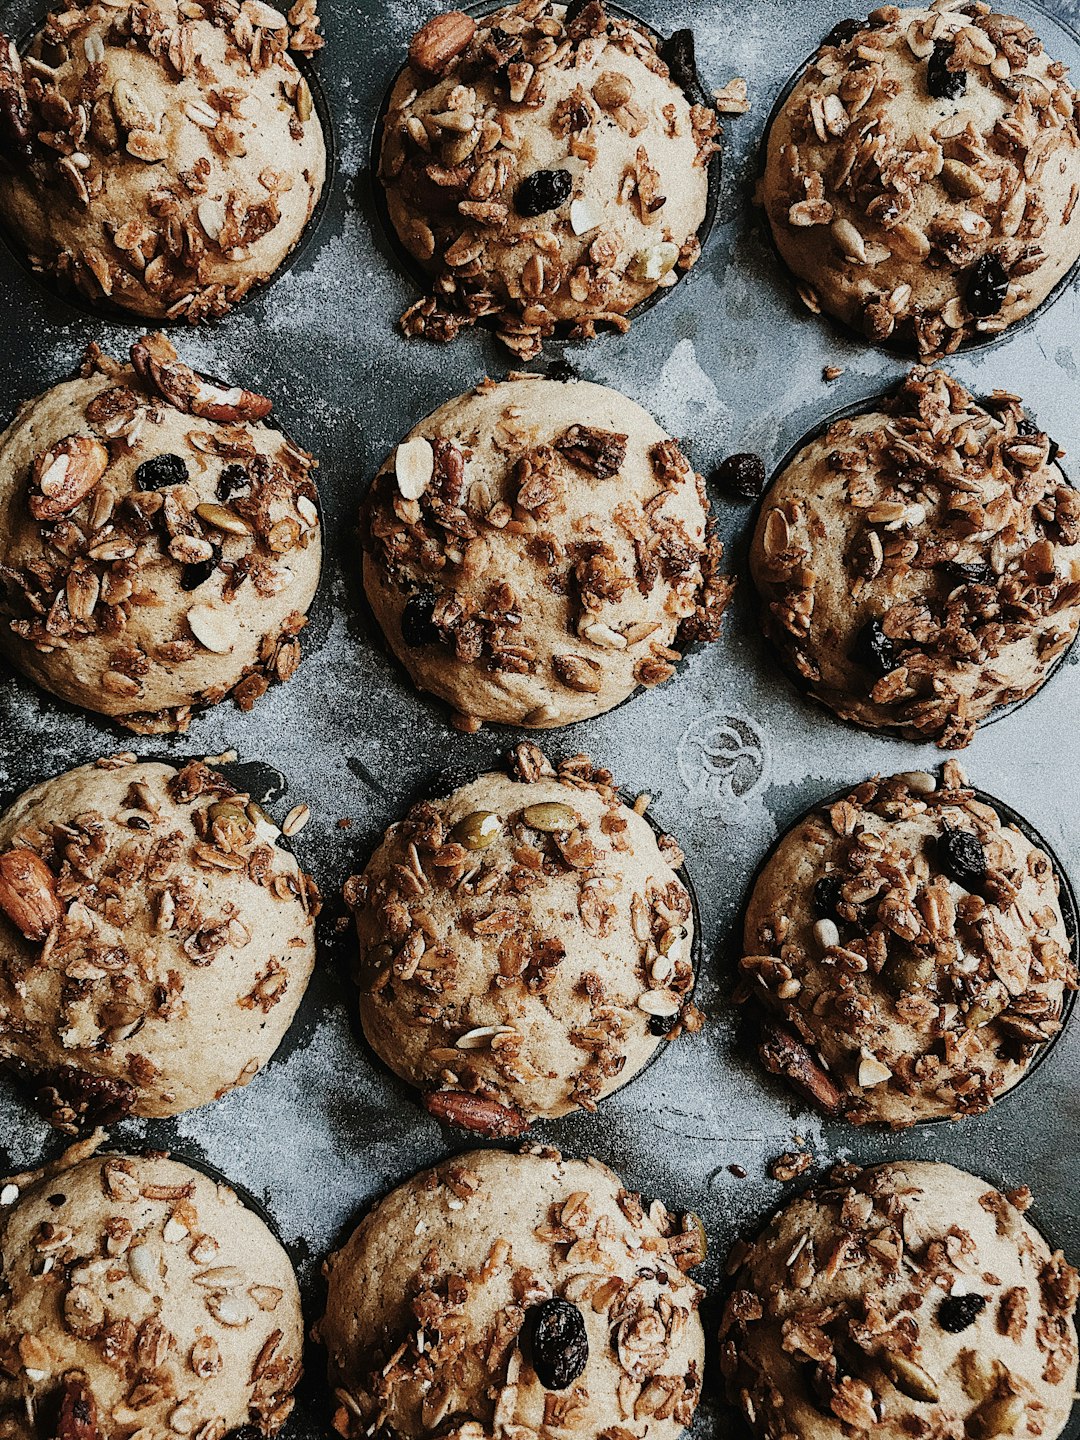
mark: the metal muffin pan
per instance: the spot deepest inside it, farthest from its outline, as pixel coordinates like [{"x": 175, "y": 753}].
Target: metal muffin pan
[{"x": 730, "y": 752}]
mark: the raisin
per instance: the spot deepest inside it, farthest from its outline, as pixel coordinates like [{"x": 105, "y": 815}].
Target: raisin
[
  {"x": 543, "y": 190},
  {"x": 987, "y": 286},
  {"x": 971, "y": 572},
  {"x": 231, "y": 479},
  {"x": 962, "y": 857},
  {"x": 560, "y": 1344},
  {"x": 843, "y": 32},
  {"x": 943, "y": 83},
  {"x": 873, "y": 650},
  {"x": 417, "y": 627},
  {"x": 827, "y": 896},
  {"x": 677, "y": 53},
  {"x": 662, "y": 1024},
  {"x": 742, "y": 475},
  {"x": 957, "y": 1312},
  {"x": 192, "y": 576},
  {"x": 162, "y": 470}
]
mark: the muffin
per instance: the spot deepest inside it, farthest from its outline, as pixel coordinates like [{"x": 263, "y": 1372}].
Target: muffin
[
  {"x": 161, "y": 156},
  {"x": 909, "y": 950},
  {"x": 918, "y": 565},
  {"x": 516, "y": 1294},
  {"x": 921, "y": 179},
  {"x": 543, "y": 166},
  {"x": 155, "y": 941},
  {"x": 906, "y": 1299},
  {"x": 139, "y": 1294},
  {"x": 159, "y": 546},
  {"x": 526, "y": 945},
  {"x": 537, "y": 549}
]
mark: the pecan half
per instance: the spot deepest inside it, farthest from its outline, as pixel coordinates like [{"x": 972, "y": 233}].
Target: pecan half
[
  {"x": 69, "y": 1098},
  {"x": 436, "y": 45},
  {"x": 78, "y": 1419},
  {"x": 475, "y": 1112},
  {"x": 783, "y": 1053},
  {"x": 157, "y": 363},
  {"x": 600, "y": 452},
  {"x": 63, "y": 476},
  {"x": 28, "y": 893}
]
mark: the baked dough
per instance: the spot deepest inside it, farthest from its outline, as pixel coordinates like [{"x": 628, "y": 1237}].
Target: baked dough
[
  {"x": 913, "y": 945},
  {"x": 525, "y": 945},
  {"x": 542, "y": 169},
  {"x": 434, "y": 1304},
  {"x": 159, "y": 546},
  {"x": 141, "y": 1295},
  {"x": 163, "y": 156},
  {"x": 536, "y": 549},
  {"x": 922, "y": 177},
  {"x": 155, "y": 941},
  {"x": 907, "y": 1299}
]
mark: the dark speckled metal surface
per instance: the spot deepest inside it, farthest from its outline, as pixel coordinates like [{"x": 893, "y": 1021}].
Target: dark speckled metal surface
[{"x": 727, "y": 361}]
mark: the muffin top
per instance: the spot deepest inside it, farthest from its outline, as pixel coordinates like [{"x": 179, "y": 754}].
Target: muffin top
[
  {"x": 515, "y": 1294},
  {"x": 162, "y": 155},
  {"x": 542, "y": 165},
  {"x": 155, "y": 941},
  {"x": 159, "y": 546},
  {"x": 914, "y": 949},
  {"x": 922, "y": 177},
  {"x": 525, "y": 945},
  {"x": 919, "y": 565},
  {"x": 906, "y": 1299},
  {"x": 138, "y": 1292},
  {"x": 536, "y": 549}
]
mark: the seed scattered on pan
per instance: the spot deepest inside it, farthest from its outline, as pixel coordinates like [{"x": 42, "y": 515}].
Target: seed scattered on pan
[{"x": 296, "y": 819}]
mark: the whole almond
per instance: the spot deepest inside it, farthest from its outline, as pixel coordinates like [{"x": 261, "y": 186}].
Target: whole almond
[
  {"x": 64, "y": 475},
  {"x": 436, "y": 45},
  {"x": 28, "y": 893}
]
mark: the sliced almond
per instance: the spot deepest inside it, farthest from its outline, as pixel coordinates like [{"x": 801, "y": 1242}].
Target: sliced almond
[
  {"x": 872, "y": 1071},
  {"x": 414, "y": 465},
  {"x": 659, "y": 1002},
  {"x": 210, "y": 628}
]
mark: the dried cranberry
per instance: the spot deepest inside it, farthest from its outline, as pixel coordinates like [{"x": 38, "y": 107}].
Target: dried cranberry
[
  {"x": 196, "y": 574},
  {"x": 827, "y": 895},
  {"x": 677, "y": 53},
  {"x": 231, "y": 479},
  {"x": 846, "y": 30},
  {"x": 942, "y": 82},
  {"x": 162, "y": 470},
  {"x": 560, "y": 1343},
  {"x": 417, "y": 627},
  {"x": 873, "y": 650},
  {"x": 957, "y": 1312},
  {"x": 962, "y": 857},
  {"x": 987, "y": 286},
  {"x": 970, "y": 572},
  {"x": 742, "y": 475},
  {"x": 543, "y": 190}
]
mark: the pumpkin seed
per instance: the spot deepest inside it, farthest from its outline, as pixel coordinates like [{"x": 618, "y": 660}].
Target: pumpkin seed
[
  {"x": 912, "y": 1380},
  {"x": 550, "y": 817},
  {"x": 478, "y": 830}
]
